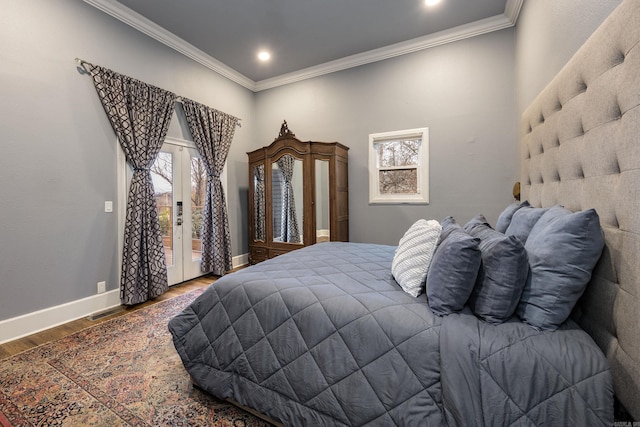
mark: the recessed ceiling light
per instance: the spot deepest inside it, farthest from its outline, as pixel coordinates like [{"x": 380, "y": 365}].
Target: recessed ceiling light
[
  {"x": 431, "y": 2},
  {"x": 263, "y": 55}
]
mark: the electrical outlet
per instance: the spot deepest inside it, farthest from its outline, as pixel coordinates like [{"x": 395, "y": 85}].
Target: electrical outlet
[{"x": 102, "y": 287}]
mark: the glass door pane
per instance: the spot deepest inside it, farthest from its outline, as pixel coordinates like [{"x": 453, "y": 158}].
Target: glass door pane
[
  {"x": 194, "y": 193},
  {"x": 162, "y": 177},
  {"x": 198, "y": 195},
  {"x": 166, "y": 173}
]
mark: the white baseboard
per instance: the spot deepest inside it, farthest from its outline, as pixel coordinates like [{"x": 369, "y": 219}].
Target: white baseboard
[
  {"x": 323, "y": 233},
  {"x": 31, "y": 323},
  {"x": 240, "y": 260}
]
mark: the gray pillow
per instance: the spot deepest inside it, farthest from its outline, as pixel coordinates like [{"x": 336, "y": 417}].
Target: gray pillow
[
  {"x": 502, "y": 275},
  {"x": 504, "y": 219},
  {"x": 453, "y": 271},
  {"x": 563, "y": 248},
  {"x": 478, "y": 219},
  {"x": 448, "y": 225},
  {"x": 523, "y": 221}
]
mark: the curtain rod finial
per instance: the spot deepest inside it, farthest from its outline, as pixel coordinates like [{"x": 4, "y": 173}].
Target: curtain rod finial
[{"x": 82, "y": 66}]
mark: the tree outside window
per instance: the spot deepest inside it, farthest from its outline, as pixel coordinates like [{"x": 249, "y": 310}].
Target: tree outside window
[{"x": 398, "y": 166}]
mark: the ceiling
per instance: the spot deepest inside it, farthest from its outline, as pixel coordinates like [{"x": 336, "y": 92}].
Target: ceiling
[{"x": 306, "y": 38}]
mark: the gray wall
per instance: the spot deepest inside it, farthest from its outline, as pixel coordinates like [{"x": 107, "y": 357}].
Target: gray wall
[
  {"x": 464, "y": 93},
  {"x": 58, "y": 162},
  {"x": 548, "y": 33}
]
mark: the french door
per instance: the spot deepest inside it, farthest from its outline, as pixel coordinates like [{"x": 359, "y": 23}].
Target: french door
[{"x": 179, "y": 180}]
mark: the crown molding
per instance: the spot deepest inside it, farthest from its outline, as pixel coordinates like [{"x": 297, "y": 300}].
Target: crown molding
[
  {"x": 153, "y": 30},
  {"x": 144, "y": 25},
  {"x": 512, "y": 10},
  {"x": 462, "y": 32}
]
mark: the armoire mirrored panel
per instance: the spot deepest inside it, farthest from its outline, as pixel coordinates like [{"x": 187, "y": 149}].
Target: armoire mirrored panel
[
  {"x": 259, "y": 205},
  {"x": 298, "y": 195},
  {"x": 323, "y": 227},
  {"x": 287, "y": 199}
]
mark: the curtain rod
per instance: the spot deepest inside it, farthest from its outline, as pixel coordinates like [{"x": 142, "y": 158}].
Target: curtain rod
[{"x": 179, "y": 99}]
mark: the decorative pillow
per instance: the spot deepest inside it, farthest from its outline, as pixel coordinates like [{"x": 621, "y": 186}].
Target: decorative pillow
[
  {"x": 563, "y": 249},
  {"x": 413, "y": 256},
  {"x": 502, "y": 275},
  {"x": 504, "y": 219},
  {"x": 453, "y": 271},
  {"x": 448, "y": 225},
  {"x": 478, "y": 219},
  {"x": 523, "y": 221}
]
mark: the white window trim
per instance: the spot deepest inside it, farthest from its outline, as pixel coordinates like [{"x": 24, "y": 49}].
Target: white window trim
[{"x": 422, "y": 195}]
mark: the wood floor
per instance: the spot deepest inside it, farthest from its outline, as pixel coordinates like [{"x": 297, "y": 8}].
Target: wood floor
[{"x": 18, "y": 346}]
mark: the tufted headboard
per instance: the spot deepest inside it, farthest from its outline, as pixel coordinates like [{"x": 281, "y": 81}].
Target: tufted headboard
[{"x": 580, "y": 148}]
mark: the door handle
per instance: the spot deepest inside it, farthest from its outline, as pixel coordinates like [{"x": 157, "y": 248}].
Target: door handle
[{"x": 179, "y": 213}]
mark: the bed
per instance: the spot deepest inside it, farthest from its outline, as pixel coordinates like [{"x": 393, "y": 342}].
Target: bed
[{"x": 325, "y": 335}]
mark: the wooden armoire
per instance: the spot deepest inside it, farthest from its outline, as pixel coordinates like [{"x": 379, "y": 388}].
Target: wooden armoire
[{"x": 298, "y": 195}]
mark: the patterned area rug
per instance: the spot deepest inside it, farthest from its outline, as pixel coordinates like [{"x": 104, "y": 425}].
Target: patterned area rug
[{"x": 123, "y": 372}]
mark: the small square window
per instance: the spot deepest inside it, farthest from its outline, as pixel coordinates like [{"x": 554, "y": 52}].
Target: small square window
[{"x": 399, "y": 166}]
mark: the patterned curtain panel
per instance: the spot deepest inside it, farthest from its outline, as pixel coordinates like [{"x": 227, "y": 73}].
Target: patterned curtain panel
[
  {"x": 259, "y": 203},
  {"x": 289, "y": 222},
  {"x": 212, "y": 132},
  {"x": 140, "y": 115}
]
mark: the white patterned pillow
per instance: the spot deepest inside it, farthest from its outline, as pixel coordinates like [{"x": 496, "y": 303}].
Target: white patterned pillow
[{"x": 413, "y": 256}]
